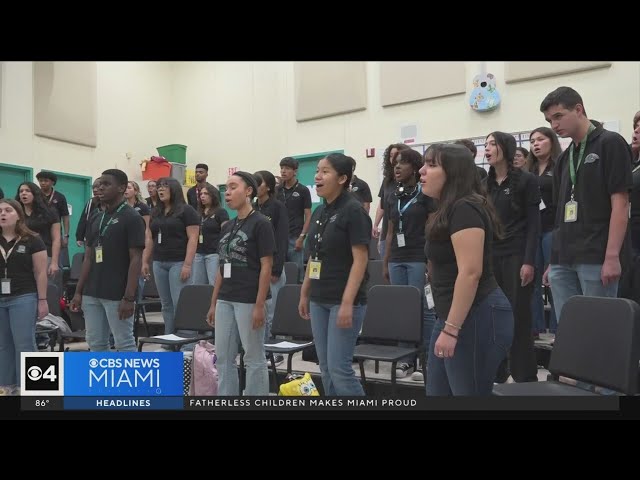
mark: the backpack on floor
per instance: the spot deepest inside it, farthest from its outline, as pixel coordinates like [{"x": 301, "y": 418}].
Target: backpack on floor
[{"x": 204, "y": 377}]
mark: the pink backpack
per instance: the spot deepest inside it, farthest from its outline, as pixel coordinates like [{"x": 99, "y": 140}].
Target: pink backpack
[{"x": 204, "y": 380}]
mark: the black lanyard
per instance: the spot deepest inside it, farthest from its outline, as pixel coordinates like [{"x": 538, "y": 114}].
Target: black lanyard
[
  {"x": 292, "y": 190},
  {"x": 6, "y": 254},
  {"x": 322, "y": 225},
  {"x": 237, "y": 225},
  {"x": 102, "y": 231}
]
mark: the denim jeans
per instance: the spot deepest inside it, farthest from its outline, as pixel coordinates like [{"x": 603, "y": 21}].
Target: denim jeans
[
  {"x": 335, "y": 347},
  {"x": 578, "y": 279},
  {"x": 271, "y": 304},
  {"x": 205, "y": 269},
  {"x": 101, "y": 318},
  {"x": 483, "y": 343},
  {"x": 296, "y": 257},
  {"x": 169, "y": 284},
  {"x": 234, "y": 326},
  {"x": 18, "y": 316},
  {"x": 543, "y": 255}
]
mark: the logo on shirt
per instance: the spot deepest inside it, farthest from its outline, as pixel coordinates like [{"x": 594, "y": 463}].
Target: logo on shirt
[
  {"x": 21, "y": 249},
  {"x": 354, "y": 189},
  {"x": 333, "y": 219},
  {"x": 592, "y": 157},
  {"x": 236, "y": 251},
  {"x": 507, "y": 191},
  {"x": 295, "y": 194}
]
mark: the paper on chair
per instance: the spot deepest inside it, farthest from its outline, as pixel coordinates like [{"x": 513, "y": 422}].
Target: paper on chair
[
  {"x": 287, "y": 344},
  {"x": 171, "y": 336}
]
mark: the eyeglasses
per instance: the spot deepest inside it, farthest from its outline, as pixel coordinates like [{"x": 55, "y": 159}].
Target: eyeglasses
[{"x": 162, "y": 185}]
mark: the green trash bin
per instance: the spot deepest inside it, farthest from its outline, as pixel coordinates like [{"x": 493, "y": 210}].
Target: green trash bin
[{"x": 174, "y": 153}]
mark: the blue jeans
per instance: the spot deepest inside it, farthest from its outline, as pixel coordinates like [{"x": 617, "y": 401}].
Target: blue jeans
[
  {"x": 271, "y": 304},
  {"x": 543, "y": 256},
  {"x": 413, "y": 273},
  {"x": 578, "y": 279},
  {"x": 205, "y": 269},
  {"x": 101, "y": 318},
  {"x": 335, "y": 347},
  {"x": 234, "y": 326},
  {"x": 18, "y": 316},
  {"x": 483, "y": 343},
  {"x": 169, "y": 284},
  {"x": 296, "y": 257}
]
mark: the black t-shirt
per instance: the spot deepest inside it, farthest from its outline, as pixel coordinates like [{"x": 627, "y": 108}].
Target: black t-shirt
[
  {"x": 517, "y": 201},
  {"x": 41, "y": 224},
  {"x": 341, "y": 225},
  {"x": 243, "y": 244},
  {"x": 296, "y": 199},
  {"x": 142, "y": 209},
  {"x": 20, "y": 265},
  {"x": 194, "y": 192},
  {"x": 444, "y": 267},
  {"x": 59, "y": 202},
  {"x": 384, "y": 194},
  {"x": 605, "y": 170},
  {"x": 634, "y": 197},
  {"x": 81, "y": 229},
  {"x": 173, "y": 229},
  {"x": 360, "y": 189},
  {"x": 210, "y": 228},
  {"x": 122, "y": 230},
  {"x": 548, "y": 213},
  {"x": 276, "y": 212},
  {"x": 482, "y": 172},
  {"x": 414, "y": 220}
]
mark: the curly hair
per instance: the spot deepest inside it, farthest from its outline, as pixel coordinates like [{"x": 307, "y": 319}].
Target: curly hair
[{"x": 387, "y": 161}]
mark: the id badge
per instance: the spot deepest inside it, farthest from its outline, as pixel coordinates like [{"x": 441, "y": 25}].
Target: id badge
[
  {"x": 542, "y": 205},
  {"x": 98, "y": 254},
  {"x": 201, "y": 239},
  {"x": 6, "y": 286},
  {"x": 400, "y": 238},
  {"x": 571, "y": 211},
  {"x": 429, "y": 295},
  {"x": 314, "y": 269},
  {"x": 226, "y": 270},
  {"x": 159, "y": 238}
]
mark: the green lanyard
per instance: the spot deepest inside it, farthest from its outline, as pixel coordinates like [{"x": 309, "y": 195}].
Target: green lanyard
[
  {"x": 103, "y": 230},
  {"x": 573, "y": 169}
]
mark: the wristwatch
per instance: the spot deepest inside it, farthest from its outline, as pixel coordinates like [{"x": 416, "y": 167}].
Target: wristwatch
[{"x": 303, "y": 235}]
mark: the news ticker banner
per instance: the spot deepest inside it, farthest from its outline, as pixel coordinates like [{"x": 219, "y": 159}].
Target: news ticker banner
[{"x": 154, "y": 381}]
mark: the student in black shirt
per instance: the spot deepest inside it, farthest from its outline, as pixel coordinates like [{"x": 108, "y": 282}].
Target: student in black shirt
[
  {"x": 111, "y": 267},
  {"x": 23, "y": 297},
  {"x": 474, "y": 328},
  {"x": 591, "y": 183},
  {"x": 134, "y": 198},
  {"x": 55, "y": 200},
  {"x": 635, "y": 193},
  {"x": 386, "y": 189},
  {"x": 238, "y": 306},
  {"x": 42, "y": 220},
  {"x": 297, "y": 199},
  {"x": 172, "y": 245},
  {"x": 360, "y": 189},
  {"x": 92, "y": 204},
  {"x": 404, "y": 262},
  {"x": 212, "y": 218},
  {"x": 516, "y": 197},
  {"x": 545, "y": 150},
  {"x": 334, "y": 292},
  {"x": 193, "y": 194},
  {"x": 276, "y": 212},
  {"x": 152, "y": 188}
]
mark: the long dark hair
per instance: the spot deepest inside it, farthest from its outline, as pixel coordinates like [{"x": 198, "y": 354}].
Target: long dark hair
[
  {"x": 507, "y": 145},
  {"x": 556, "y": 149},
  {"x": 39, "y": 207},
  {"x": 215, "y": 200},
  {"x": 387, "y": 162},
  {"x": 21, "y": 228},
  {"x": 462, "y": 184},
  {"x": 266, "y": 177},
  {"x": 176, "y": 201}
]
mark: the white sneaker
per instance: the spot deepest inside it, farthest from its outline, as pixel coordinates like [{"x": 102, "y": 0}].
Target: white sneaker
[
  {"x": 417, "y": 376},
  {"x": 403, "y": 369}
]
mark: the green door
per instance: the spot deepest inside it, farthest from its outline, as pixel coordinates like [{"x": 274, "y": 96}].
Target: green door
[
  {"x": 11, "y": 176},
  {"x": 307, "y": 165},
  {"x": 77, "y": 190}
]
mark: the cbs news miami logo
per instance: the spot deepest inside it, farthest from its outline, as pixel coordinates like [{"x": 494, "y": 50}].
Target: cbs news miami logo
[{"x": 42, "y": 373}]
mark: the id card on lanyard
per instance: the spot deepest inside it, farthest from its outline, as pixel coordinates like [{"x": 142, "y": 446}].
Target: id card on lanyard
[
  {"x": 400, "y": 234},
  {"x": 226, "y": 268},
  {"x": 5, "y": 281},
  {"x": 571, "y": 207},
  {"x": 315, "y": 264},
  {"x": 102, "y": 231}
]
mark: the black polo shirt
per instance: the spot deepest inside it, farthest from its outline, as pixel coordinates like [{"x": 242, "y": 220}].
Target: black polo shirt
[
  {"x": 81, "y": 229},
  {"x": 547, "y": 208},
  {"x": 444, "y": 267},
  {"x": 41, "y": 224},
  {"x": 414, "y": 221},
  {"x": 125, "y": 230},
  {"x": 360, "y": 189},
  {"x": 142, "y": 209},
  {"x": 243, "y": 244},
  {"x": 386, "y": 191},
  {"x": 341, "y": 224},
  {"x": 634, "y": 197},
  {"x": 296, "y": 199},
  {"x": 517, "y": 202},
  {"x": 276, "y": 212},
  {"x": 20, "y": 265},
  {"x": 605, "y": 170},
  {"x": 210, "y": 229},
  {"x": 194, "y": 192},
  {"x": 173, "y": 227},
  {"x": 59, "y": 202}
]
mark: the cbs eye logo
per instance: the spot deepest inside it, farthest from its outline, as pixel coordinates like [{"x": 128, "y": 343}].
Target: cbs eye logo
[{"x": 41, "y": 373}]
